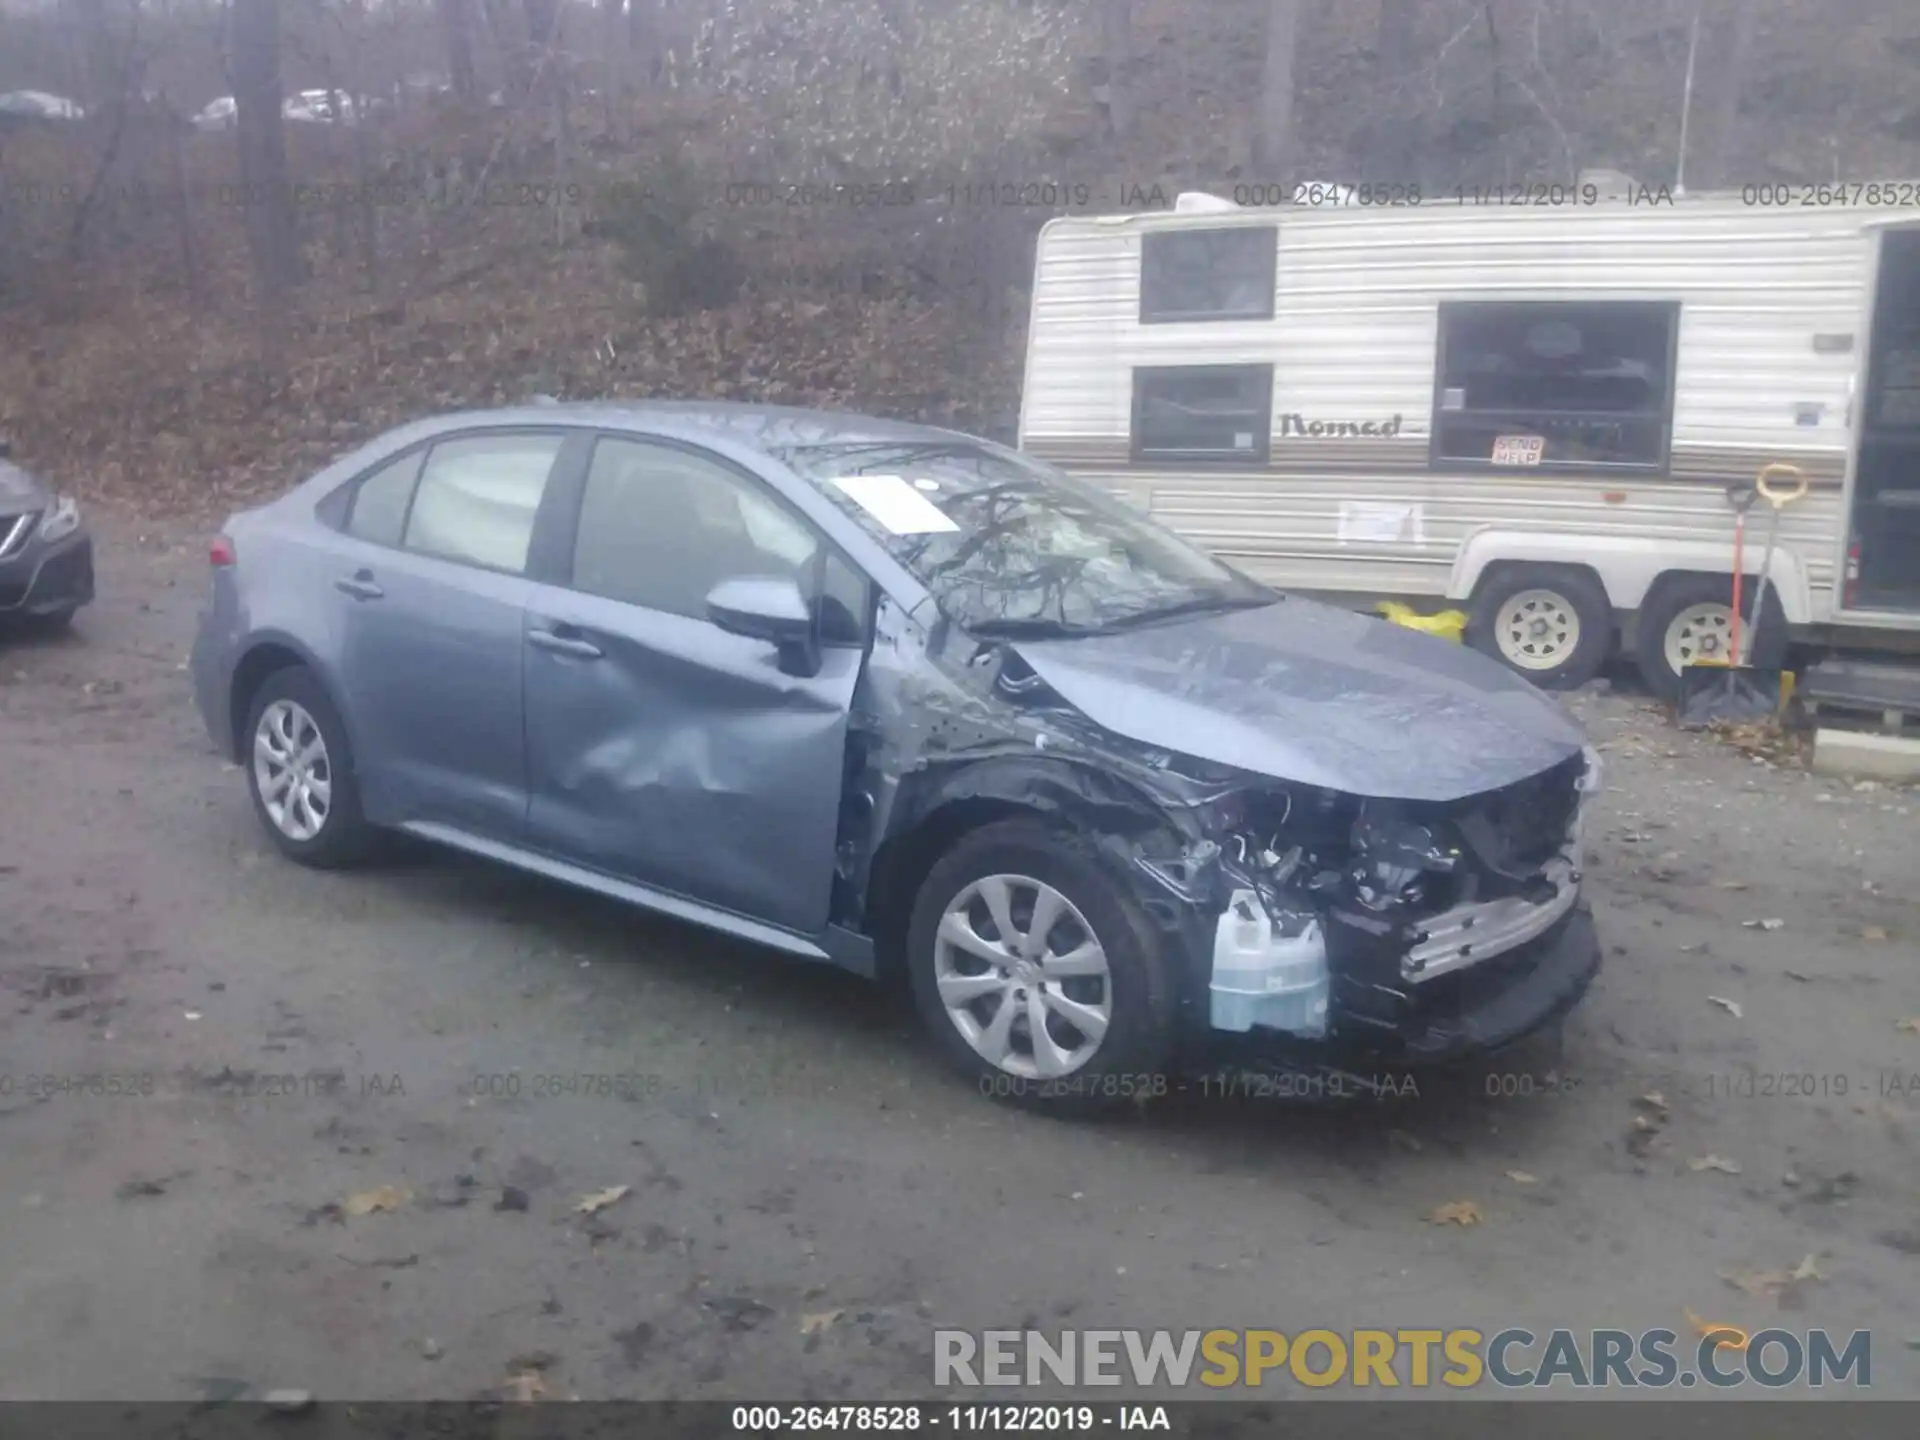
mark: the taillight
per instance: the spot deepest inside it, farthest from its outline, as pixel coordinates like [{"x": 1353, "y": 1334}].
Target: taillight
[
  {"x": 1850, "y": 582},
  {"x": 220, "y": 553}
]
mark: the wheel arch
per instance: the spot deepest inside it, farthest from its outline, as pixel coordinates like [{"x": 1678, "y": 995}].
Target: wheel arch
[
  {"x": 1628, "y": 566},
  {"x": 268, "y": 654},
  {"x": 936, "y": 810}
]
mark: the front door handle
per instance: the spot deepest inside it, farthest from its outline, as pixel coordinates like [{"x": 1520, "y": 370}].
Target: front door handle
[
  {"x": 359, "y": 585},
  {"x": 565, "y": 644}
]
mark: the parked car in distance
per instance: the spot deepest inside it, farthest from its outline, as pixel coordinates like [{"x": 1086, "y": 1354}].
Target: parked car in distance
[
  {"x": 219, "y": 114},
  {"x": 28, "y": 107},
  {"x": 908, "y": 702},
  {"x": 320, "y": 107},
  {"x": 46, "y": 555}
]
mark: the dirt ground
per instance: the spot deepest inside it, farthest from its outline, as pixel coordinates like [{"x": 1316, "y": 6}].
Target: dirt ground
[{"x": 810, "y": 1193}]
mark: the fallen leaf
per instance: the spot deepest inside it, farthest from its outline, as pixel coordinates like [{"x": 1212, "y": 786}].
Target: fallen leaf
[
  {"x": 1807, "y": 1269},
  {"x": 1760, "y": 1284},
  {"x": 1714, "y": 1162},
  {"x": 1521, "y": 1177},
  {"x": 525, "y": 1387},
  {"x": 600, "y": 1199},
  {"x": 1873, "y": 932},
  {"x": 820, "y": 1320},
  {"x": 387, "y": 1197},
  {"x": 1641, "y": 1122},
  {"x": 1735, "y": 1337},
  {"x": 1732, "y": 1007},
  {"x": 1457, "y": 1212},
  {"x": 1653, "y": 1100}
]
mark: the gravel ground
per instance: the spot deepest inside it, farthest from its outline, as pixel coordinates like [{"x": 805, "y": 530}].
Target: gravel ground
[{"x": 810, "y": 1193}]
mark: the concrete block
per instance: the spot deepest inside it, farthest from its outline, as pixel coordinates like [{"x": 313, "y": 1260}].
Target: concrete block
[{"x": 1864, "y": 754}]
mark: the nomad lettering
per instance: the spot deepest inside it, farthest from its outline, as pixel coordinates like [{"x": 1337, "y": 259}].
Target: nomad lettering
[{"x": 1335, "y": 429}]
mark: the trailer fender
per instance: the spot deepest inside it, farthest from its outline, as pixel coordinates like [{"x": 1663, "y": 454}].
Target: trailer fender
[{"x": 1628, "y": 567}]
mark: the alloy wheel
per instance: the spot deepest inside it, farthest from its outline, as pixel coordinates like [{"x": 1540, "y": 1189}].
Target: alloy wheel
[
  {"x": 292, "y": 771},
  {"x": 1023, "y": 977}
]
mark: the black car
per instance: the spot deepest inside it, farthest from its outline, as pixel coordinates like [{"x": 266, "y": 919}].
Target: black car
[{"x": 46, "y": 555}]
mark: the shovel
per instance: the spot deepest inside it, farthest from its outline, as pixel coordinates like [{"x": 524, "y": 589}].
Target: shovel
[{"x": 1731, "y": 690}]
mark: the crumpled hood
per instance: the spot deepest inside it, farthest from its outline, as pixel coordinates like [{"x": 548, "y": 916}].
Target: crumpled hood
[
  {"x": 19, "y": 490},
  {"x": 1317, "y": 695}
]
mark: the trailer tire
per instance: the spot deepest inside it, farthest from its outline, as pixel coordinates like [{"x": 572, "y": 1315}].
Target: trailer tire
[
  {"x": 1551, "y": 624},
  {"x": 1676, "y": 596}
]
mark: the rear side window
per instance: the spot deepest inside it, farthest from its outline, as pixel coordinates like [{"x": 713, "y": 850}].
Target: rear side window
[
  {"x": 1224, "y": 274},
  {"x": 478, "y": 499},
  {"x": 379, "y": 513}
]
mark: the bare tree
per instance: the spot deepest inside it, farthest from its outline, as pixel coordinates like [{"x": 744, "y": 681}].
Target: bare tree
[
  {"x": 456, "y": 23},
  {"x": 1394, "y": 144},
  {"x": 272, "y": 237},
  {"x": 1117, "y": 41},
  {"x": 1731, "y": 39},
  {"x": 1273, "y": 130}
]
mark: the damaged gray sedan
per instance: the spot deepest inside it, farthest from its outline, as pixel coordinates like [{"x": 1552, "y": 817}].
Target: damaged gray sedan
[{"x": 904, "y": 701}]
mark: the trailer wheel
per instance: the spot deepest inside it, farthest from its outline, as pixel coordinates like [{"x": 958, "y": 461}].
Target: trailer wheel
[
  {"x": 1550, "y": 623},
  {"x": 1689, "y": 618}
]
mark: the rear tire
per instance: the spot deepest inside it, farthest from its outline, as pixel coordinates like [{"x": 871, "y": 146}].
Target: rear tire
[
  {"x": 300, "y": 774},
  {"x": 1552, "y": 624},
  {"x": 1092, "y": 925},
  {"x": 1690, "y": 614}
]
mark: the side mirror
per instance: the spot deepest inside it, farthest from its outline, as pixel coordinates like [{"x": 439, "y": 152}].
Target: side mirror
[{"x": 772, "y": 610}]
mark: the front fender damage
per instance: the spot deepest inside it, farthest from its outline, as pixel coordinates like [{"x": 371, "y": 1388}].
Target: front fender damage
[{"x": 1297, "y": 914}]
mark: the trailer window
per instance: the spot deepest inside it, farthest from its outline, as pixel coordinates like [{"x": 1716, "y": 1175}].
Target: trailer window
[
  {"x": 1225, "y": 274},
  {"x": 1531, "y": 385},
  {"x": 1221, "y": 414}
]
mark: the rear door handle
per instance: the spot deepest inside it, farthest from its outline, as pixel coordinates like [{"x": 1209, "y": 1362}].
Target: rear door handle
[
  {"x": 565, "y": 644},
  {"x": 359, "y": 585}
]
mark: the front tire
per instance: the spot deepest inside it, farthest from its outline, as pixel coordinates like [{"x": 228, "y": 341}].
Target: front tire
[
  {"x": 1038, "y": 975},
  {"x": 1552, "y": 624},
  {"x": 300, "y": 774}
]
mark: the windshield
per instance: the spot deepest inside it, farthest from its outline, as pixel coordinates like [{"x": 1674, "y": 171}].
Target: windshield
[{"x": 1009, "y": 545}]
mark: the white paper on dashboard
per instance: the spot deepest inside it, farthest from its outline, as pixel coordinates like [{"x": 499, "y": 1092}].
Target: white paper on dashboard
[{"x": 899, "y": 507}]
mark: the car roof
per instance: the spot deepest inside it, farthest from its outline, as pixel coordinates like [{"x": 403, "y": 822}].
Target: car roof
[{"x": 760, "y": 427}]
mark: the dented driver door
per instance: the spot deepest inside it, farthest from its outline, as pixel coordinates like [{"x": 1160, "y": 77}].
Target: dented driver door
[{"x": 662, "y": 749}]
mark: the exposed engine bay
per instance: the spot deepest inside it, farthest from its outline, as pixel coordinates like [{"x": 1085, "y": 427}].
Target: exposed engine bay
[{"x": 1341, "y": 912}]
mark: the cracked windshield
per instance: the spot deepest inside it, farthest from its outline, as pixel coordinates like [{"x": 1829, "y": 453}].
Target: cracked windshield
[{"x": 1042, "y": 716}]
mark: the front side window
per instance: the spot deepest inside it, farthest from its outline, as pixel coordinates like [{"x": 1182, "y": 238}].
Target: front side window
[
  {"x": 1008, "y": 545},
  {"x": 660, "y": 527},
  {"x": 1216, "y": 413},
  {"x": 1223, "y": 274},
  {"x": 478, "y": 499},
  {"x": 1529, "y": 385}
]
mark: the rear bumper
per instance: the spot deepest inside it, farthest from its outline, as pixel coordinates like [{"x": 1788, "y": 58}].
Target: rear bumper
[
  {"x": 1474, "y": 1011},
  {"x": 49, "y": 579}
]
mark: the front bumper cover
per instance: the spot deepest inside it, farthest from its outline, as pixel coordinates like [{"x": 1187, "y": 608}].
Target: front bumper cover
[{"x": 48, "y": 579}]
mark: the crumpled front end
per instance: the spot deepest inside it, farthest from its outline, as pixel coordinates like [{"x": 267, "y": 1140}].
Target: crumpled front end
[{"x": 1410, "y": 931}]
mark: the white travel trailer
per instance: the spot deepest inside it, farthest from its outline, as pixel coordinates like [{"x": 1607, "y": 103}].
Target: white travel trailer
[{"x": 1529, "y": 406}]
